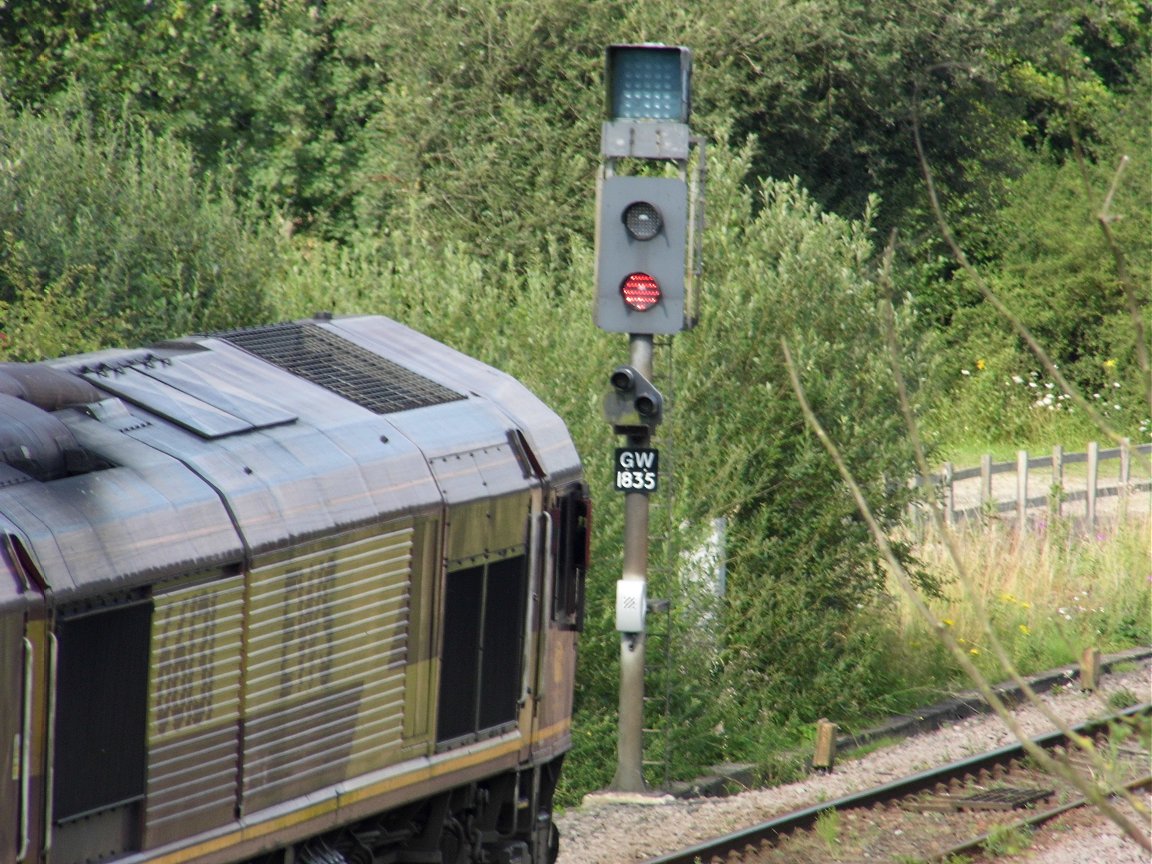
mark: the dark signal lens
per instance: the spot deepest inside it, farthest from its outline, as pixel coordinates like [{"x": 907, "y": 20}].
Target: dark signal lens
[
  {"x": 642, "y": 220},
  {"x": 641, "y": 292}
]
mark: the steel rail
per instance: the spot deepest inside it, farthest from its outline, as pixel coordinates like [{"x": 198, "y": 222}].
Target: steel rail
[
  {"x": 805, "y": 818},
  {"x": 976, "y": 843}
]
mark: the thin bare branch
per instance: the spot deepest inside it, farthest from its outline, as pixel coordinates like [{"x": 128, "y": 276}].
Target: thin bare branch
[{"x": 971, "y": 594}]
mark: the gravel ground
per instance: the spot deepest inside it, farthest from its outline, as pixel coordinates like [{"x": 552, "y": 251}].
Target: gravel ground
[
  {"x": 1085, "y": 838},
  {"x": 613, "y": 829}
]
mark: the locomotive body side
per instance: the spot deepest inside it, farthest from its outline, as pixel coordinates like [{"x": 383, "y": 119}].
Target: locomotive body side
[{"x": 304, "y": 593}]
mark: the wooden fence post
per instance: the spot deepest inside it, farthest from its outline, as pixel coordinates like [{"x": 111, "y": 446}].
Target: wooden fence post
[
  {"x": 946, "y": 496},
  {"x": 1090, "y": 669},
  {"x": 1022, "y": 489},
  {"x": 985, "y": 479},
  {"x": 1125, "y": 472},
  {"x": 825, "y": 753},
  {"x": 949, "y": 496},
  {"x": 1093, "y": 479},
  {"x": 1056, "y": 497}
]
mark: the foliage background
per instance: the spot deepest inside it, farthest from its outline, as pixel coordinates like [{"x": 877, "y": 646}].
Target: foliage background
[{"x": 169, "y": 167}]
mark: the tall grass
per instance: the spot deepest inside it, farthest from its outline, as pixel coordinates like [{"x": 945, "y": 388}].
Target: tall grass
[{"x": 1048, "y": 593}]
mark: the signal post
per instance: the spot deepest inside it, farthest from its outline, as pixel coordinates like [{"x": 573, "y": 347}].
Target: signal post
[{"x": 642, "y": 289}]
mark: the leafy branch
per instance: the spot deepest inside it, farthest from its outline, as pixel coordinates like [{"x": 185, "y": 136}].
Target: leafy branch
[{"x": 994, "y": 299}]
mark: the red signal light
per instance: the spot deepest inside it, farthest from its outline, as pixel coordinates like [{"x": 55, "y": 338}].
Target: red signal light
[{"x": 641, "y": 292}]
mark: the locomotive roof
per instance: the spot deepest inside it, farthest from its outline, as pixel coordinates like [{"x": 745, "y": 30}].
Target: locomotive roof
[{"x": 123, "y": 466}]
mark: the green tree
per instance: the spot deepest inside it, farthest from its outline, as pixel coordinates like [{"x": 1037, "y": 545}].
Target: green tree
[{"x": 485, "y": 118}]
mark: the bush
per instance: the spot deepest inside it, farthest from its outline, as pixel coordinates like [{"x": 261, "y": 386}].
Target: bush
[
  {"x": 160, "y": 250},
  {"x": 805, "y": 589},
  {"x": 44, "y": 321},
  {"x": 1046, "y": 258}
]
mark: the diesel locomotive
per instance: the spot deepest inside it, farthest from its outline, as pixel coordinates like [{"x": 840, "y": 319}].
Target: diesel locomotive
[{"x": 306, "y": 593}]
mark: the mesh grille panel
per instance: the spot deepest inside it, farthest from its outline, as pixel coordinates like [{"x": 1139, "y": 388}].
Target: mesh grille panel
[{"x": 343, "y": 367}]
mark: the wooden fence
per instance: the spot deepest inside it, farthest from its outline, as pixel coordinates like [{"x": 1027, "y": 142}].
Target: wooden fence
[{"x": 995, "y": 488}]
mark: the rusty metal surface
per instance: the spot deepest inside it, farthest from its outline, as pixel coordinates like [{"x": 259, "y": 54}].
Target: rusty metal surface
[
  {"x": 325, "y": 664},
  {"x": 194, "y": 705}
]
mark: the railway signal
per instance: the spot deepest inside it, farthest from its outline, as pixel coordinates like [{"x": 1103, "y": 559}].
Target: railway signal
[
  {"x": 633, "y": 403},
  {"x": 644, "y": 287},
  {"x": 649, "y": 82},
  {"x": 640, "y": 261}
]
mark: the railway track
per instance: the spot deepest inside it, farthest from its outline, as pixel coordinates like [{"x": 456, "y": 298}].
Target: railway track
[{"x": 958, "y": 809}]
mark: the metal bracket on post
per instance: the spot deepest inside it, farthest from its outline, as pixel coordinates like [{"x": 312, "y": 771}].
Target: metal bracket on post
[
  {"x": 632, "y": 403},
  {"x": 648, "y": 139}
]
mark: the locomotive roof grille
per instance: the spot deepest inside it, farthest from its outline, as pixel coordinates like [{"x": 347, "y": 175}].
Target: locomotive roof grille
[{"x": 357, "y": 374}]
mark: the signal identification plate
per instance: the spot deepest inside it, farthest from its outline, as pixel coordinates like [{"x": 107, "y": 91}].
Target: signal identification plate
[{"x": 637, "y": 469}]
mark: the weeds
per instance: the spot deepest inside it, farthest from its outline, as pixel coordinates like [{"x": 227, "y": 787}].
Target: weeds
[
  {"x": 973, "y": 597},
  {"x": 827, "y": 828},
  {"x": 1121, "y": 699},
  {"x": 869, "y": 748},
  {"x": 1048, "y": 595},
  {"x": 1007, "y": 840}
]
